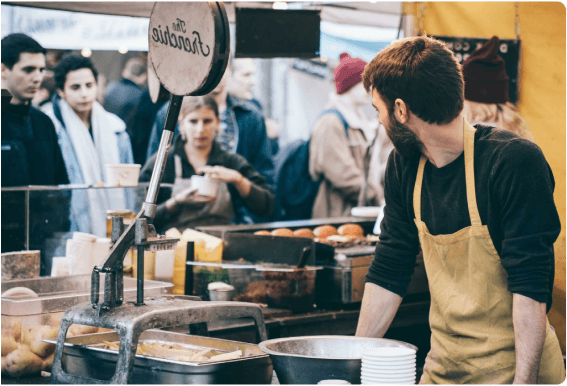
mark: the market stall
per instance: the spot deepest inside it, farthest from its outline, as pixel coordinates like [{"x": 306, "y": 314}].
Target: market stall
[{"x": 130, "y": 330}]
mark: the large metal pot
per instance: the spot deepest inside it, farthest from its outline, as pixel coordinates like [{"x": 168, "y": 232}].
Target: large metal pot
[{"x": 310, "y": 359}]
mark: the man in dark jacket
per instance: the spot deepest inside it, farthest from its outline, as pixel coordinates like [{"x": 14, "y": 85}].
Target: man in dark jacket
[
  {"x": 30, "y": 152},
  {"x": 123, "y": 98}
]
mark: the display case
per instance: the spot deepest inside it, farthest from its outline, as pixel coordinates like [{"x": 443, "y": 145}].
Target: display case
[{"x": 44, "y": 217}]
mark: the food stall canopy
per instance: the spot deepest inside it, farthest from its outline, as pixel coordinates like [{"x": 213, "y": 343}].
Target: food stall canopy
[{"x": 375, "y": 14}]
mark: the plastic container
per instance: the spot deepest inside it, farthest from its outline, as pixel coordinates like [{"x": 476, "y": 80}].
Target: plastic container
[
  {"x": 26, "y": 321},
  {"x": 122, "y": 174}
]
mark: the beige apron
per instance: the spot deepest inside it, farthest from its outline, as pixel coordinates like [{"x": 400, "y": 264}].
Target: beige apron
[
  {"x": 472, "y": 331},
  {"x": 219, "y": 212}
]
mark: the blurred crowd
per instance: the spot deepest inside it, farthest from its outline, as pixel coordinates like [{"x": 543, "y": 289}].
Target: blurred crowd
[{"x": 62, "y": 125}]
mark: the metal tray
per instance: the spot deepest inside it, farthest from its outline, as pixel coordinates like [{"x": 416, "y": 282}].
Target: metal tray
[
  {"x": 60, "y": 293},
  {"x": 81, "y": 357}
]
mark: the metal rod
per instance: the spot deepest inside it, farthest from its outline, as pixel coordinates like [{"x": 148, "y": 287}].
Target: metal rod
[
  {"x": 164, "y": 145},
  {"x": 140, "y": 276},
  {"x": 27, "y": 220}
]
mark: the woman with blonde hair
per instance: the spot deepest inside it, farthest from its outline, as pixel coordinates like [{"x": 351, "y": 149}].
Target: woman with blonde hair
[{"x": 486, "y": 92}]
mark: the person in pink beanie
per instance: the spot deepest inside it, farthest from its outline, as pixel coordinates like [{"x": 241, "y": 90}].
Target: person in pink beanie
[{"x": 339, "y": 149}]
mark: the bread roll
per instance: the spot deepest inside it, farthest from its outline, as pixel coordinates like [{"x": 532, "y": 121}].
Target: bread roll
[
  {"x": 351, "y": 230},
  {"x": 303, "y": 232},
  {"x": 282, "y": 232},
  {"x": 324, "y": 231},
  {"x": 263, "y": 233}
]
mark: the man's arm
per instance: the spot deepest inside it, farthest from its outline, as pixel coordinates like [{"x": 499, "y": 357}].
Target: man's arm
[
  {"x": 379, "y": 306},
  {"x": 529, "y": 334}
]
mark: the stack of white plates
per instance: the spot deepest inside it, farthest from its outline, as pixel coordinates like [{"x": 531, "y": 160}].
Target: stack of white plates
[{"x": 381, "y": 365}]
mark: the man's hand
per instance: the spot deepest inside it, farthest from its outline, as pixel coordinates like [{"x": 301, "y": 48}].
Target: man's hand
[
  {"x": 529, "y": 334},
  {"x": 379, "y": 306}
]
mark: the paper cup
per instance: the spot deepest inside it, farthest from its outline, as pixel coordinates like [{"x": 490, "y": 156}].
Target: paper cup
[
  {"x": 79, "y": 255},
  {"x": 59, "y": 266},
  {"x": 205, "y": 186},
  {"x": 100, "y": 250},
  {"x": 122, "y": 174},
  {"x": 85, "y": 237}
]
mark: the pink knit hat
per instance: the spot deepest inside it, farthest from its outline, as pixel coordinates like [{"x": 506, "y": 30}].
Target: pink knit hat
[{"x": 348, "y": 73}]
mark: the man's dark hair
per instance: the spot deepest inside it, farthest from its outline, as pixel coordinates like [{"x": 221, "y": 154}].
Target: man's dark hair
[
  {"x": 423, "y": 73},
  {"x": 71, "y": 63},
  {"x": 14, "y": 44},
  {"x": 136, "y": 66}
]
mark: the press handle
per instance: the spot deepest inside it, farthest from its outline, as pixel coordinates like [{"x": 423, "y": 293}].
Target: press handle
[{"x": 95, "y": 286}]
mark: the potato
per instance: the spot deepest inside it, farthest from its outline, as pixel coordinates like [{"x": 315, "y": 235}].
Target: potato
[
  {"x": 4, "y": 365},
  {"x": 23, "y": 362},
  {"x": 13, "y": 327},
  {"x": 48, "y": 362},
  {"x": 9, "y": 344},
  {"x": 36, "y": 343}
]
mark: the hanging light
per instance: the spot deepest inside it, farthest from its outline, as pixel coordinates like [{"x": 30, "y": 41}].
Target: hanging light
[
  {"x": 123, "y": 50},
  {"x": 279, "y": 5},
  {"x": 86, "y": 52}
]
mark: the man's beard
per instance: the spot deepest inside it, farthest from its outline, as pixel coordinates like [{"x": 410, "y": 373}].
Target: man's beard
[{"x": 405, "y": 141}]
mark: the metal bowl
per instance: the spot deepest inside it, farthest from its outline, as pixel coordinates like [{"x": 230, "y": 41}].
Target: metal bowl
[{"x": 310, "y": 359}]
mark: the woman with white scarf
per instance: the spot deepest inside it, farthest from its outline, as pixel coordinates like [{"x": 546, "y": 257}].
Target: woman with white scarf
[{"x": 90, "y": 137}]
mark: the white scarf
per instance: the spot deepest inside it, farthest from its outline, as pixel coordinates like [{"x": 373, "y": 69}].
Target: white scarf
[{"x": 93, "y": 156}]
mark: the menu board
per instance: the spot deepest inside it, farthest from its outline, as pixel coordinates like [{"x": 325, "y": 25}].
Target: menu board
[{"x": 509, "y": 51}]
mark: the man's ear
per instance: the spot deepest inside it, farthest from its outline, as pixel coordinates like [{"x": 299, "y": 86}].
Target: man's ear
[
  {"x": 401, "y": 110},
  {"x": 4, "y": 69},
  {"x": 61, "y": 94}
]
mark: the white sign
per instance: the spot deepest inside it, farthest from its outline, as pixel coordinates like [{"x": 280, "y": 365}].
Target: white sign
[
  {"x": 182, "y": 44},
  {"x": 75, "y": 31}
]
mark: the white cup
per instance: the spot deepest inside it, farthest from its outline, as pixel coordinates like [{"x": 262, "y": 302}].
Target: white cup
[
  {"x": 59, "y": 266},
  {"x": 205, "y": 186},
  {"x": 122, "y": 174},
  {"x": 86, "y": 237},
  {"x": 79, "y": 254},
  {"x": 100, "y": 250}
]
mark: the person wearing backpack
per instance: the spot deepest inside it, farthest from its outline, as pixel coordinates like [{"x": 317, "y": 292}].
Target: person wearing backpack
[{"x": 340, "y": 144}]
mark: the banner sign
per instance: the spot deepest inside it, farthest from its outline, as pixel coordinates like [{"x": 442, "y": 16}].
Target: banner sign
[{"x": 74, "y": 31}]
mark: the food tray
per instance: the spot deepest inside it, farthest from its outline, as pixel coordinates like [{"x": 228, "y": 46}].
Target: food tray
[{"x": 82, "y": 357}]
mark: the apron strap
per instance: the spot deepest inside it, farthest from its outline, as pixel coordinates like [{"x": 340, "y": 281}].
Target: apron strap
[
  {"x": 178, "y": 167},
  {"x": 469, "y": 173},
  {"x": 417, "y": 188}
]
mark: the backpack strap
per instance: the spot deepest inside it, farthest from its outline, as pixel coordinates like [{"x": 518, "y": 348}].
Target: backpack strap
[{"x": 338, "y": 113}]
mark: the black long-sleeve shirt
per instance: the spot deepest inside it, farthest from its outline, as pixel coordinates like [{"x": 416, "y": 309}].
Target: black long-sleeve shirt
[{"x": 514, "y": 191}]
